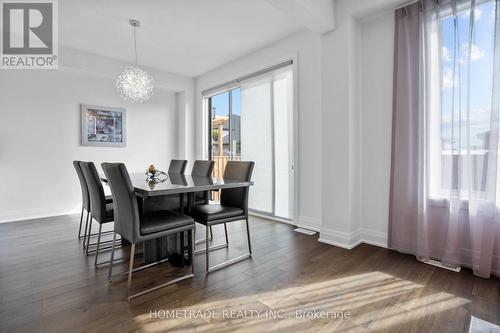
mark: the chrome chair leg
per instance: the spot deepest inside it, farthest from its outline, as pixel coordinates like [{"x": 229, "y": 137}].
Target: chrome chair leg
[
  {"x": 225, "y": 232},
  {"x": 103, "y": 233},
  {"x": 80, "y": 227},
  {"x": 86, "y": 226},
  {"x": 184, "y": 277},
  {"x": 248, "y": 237},
  {"x": 140, "y": 268},
  {"x": 130, "y": 267},
  {"x": 192, "y": 250},
  {"x": 88, "y": 237},
  {"x": 98, "y": 243},
  {"x": 202, "y": 240},
  {"x": 206, "y": 249},
  {"x": 102, "y": 247},
  {"x": 209, "y": 269},
  {"x": 229, "y": 262},
  {"x": 213, "y": 247},
  {"x": 106, "y": 242},
  {"x": 110, "y": 271}
]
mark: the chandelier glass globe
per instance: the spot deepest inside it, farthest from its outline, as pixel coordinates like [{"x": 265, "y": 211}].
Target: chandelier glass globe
[{"x": 135, "y": 85}]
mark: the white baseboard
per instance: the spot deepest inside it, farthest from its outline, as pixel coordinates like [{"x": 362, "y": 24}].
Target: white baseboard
[
  {"x": 21, "y": 215},
  {"x": 308, "y": 222},
  {"x": 374, "y": 237},
  {"x": 272, "y": 218},
  {"x": 349, "y": 240},
  {"x": 327, "y": 236},
  {"x": 346, "y": 240}
]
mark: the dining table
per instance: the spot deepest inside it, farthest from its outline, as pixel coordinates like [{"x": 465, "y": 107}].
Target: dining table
[{"x": 151, "y": 193}]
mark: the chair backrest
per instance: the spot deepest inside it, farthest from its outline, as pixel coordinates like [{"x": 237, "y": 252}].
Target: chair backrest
[
  {"x": 177, "y": 179},
  {"x": 202, "y": 168},
  {"x": 96, "y": 191},
  {"x": 126, "y": 210},
  {"x": 177, "y": 166},
  {"x": 83, "y": 186},
  {"x": 237, "y": 197}
]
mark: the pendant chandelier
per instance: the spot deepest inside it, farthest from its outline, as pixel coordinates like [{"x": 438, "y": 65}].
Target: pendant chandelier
[{"x": 134, "y": 84}]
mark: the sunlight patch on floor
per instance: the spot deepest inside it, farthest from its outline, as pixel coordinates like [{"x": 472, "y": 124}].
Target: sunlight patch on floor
[{"x": 374, "y": 300}]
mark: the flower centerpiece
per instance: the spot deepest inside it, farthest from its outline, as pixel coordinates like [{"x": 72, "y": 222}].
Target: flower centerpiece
[{"x": 155, "y": 175}]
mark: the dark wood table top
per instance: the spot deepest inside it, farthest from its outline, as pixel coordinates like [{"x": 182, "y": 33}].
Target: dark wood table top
[{"x": 176, "y": 183}]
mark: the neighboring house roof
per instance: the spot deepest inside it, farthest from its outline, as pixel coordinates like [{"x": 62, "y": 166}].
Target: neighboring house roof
[
  {"x": 224, "y": 122},
  {"x": 219, "y": 120}
]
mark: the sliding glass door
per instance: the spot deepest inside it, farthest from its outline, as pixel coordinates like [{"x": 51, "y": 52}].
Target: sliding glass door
[{"x": 254, "y": 122}]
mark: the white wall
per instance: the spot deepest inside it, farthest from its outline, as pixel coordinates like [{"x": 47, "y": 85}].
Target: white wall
[
  {"x": 340, "y": 121},
  {"x": 357, "y": 72},
  {"x": 182, "y": 85},
  {"x": 305, "y": 47},
  {"x": 344, "y": 105},
  {"x": 376, "y": 124},
  {"x": 40, "y": 132},
  {"x": 345, "y": 114}
]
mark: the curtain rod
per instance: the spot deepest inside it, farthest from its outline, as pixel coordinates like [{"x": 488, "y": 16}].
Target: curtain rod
[
  {"x": 437, "y": 1},
  {"x": 221, "y": 87},
  {"x": 406, "y": 4}
]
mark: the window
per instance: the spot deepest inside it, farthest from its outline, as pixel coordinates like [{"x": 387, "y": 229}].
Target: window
[
  {"x": 225, "y": 125},
  {"x": 461, "y": 111}
]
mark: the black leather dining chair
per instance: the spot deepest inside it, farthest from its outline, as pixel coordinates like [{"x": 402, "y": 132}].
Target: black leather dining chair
[
  {"x": 233, "y": 207},
  {"x": 203, "y": 168},
  {"x": 136, "y": 227},
  {"x": 101, "y": 209},
  {"x": 85, "y": 198},
  {"x": 177, "y": 166},
  {"x": 85, "y": 202}
]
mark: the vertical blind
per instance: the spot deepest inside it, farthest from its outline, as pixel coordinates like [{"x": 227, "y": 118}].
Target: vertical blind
[{"x": 266, "y": 137}]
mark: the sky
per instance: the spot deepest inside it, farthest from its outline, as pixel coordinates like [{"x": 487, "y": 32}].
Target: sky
[
  {"x": 221, "y": 103},
  {"x": 481, "y": 75}
]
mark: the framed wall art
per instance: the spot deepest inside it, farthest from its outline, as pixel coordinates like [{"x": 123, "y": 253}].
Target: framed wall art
[{"x": 103, "y": 126}]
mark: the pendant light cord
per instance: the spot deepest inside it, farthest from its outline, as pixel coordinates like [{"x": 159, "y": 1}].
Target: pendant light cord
[{"x": 135, "y": 48}]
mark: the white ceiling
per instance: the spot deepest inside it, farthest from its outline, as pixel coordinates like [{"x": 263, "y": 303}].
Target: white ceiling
[{"x": 188, "y": 37}]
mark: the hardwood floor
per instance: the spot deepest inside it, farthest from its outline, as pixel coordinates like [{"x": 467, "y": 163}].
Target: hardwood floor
[{"x": 47, "y": 284}]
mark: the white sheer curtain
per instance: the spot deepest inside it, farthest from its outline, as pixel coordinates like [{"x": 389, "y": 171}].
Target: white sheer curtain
[{"x": 445, "y": 180}]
